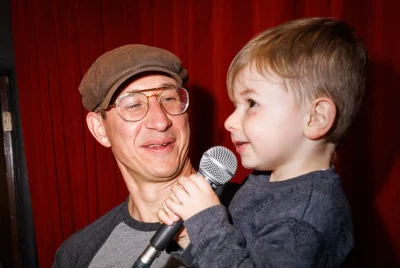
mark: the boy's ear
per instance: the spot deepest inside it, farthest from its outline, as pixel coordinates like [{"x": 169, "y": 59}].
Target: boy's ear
[
  {"x": 96, "y": 127},
  {"x": 320, "y": 119}
]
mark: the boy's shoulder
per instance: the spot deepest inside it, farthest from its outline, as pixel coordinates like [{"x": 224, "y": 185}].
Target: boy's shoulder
[
  {"x": 328, "y": 206},
  {"x": 300, "y": 198},
  {"x": 317, "y": 199}
]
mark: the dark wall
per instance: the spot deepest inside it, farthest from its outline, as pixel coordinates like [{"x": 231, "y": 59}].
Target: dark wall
[
  {"x": 6, "y": 63},
  {"x": 26, "y": 237},
  {"x": 6, "y": 45}
]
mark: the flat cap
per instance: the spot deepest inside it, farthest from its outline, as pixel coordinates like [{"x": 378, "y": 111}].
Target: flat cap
[{"x": 114, "y": 67}]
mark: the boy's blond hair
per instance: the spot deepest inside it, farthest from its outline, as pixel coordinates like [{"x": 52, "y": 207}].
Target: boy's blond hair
[{"x": 315, "y": 57}]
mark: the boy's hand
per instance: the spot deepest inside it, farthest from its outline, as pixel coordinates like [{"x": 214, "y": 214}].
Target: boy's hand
[
  {"x": 189, "y": 196},
  {"x": 182, "y": 238},
  {"x": 166, "y": 216}
]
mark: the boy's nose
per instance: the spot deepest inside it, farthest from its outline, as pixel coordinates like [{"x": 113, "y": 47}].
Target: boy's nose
[{"x": 232, "y": 122}]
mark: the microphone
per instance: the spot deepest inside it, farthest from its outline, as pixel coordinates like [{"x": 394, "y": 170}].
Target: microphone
[{"x": 218, "y": 165}]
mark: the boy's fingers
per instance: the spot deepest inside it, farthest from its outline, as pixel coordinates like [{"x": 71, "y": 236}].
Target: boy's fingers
[
  {"x": 169, "y": 213},
  {"x": 189, "y": 185},
  {"x": 163, "y": 217},
  {"x": 173, "y": 207},
  {"x": 180, "y": 193},
  {"x": 174, "y": 198},
  {"x": 201, "y": 182}
]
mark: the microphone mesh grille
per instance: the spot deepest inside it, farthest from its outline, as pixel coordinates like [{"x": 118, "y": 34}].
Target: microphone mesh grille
[{"x": 219, "y": 163}]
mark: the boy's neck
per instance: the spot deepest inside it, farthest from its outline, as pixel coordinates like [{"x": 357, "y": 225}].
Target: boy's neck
[{"x": 311, "y": 161}]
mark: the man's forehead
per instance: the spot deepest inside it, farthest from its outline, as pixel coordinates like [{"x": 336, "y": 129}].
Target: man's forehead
[
  {"x": 150, "y": 84},
  {"x": 157, "y": 87}
]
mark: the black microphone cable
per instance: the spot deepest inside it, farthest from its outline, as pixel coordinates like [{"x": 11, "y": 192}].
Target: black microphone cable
[{"x": 218, "y": 165}]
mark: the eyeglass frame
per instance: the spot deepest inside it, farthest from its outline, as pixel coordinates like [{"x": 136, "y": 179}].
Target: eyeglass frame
[{"x": 163, "y": 88}]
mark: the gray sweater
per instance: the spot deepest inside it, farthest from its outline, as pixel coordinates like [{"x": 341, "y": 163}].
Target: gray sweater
[
  {"x": 114, "y": 240},
  {"x": 117, "y": 240},
  {"x": 301, "y": 222}
]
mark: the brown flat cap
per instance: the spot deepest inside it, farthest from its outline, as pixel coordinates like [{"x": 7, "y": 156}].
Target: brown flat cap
[{"x": 114, "y": 67}]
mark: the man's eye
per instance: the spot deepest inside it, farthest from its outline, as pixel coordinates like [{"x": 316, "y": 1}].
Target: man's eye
[
  {"x": 134, "y": 106},
  {"x": 169, "y": 99}
]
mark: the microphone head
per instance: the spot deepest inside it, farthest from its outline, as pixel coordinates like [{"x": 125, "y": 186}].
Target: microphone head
[{"x": 218, "y": 164}]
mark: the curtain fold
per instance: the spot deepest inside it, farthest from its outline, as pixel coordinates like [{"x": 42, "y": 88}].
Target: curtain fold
[{"x": 73, "y": 180}]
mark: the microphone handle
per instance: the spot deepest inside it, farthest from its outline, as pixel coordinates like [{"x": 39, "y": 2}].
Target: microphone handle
[
  {"x": 165, "y": 234},
  {"x": 158, "y": 243},
  {"x": 139, "y": 264}
]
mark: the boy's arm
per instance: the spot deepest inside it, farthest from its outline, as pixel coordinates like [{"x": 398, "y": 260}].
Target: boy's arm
[
  {"x": 179, "y": 249},
  {"x": 215, "y": 242},
  {"x": 183, "y": 255},
  {"x": 283, "y": 243}
]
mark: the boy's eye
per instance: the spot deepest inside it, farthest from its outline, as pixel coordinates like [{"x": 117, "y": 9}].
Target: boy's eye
[{"x": 252, "y": 103}]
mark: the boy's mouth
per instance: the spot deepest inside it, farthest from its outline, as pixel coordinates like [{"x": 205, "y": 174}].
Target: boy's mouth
[
  {"x": 240, "y": 146},
  {"x": 239, "y": 143}
]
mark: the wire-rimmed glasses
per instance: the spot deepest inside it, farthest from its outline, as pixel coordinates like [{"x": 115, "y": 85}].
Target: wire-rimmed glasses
[{"x": 133, "y": 106}]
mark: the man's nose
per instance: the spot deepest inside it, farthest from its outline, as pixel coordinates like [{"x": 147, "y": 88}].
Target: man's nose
[{"x": 156, "y": 117}]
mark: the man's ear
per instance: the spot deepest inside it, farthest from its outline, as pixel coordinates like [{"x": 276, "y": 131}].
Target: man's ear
[
  {"x": 321, "y": 118},
  {"x": 96, "y": 127}
]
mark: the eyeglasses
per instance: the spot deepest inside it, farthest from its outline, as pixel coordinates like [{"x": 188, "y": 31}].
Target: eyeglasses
[{"x": 133, "y": 106}]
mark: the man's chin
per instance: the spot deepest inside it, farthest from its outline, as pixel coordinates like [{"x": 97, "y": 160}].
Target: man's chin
[
  {"x": 163, "y": 168},
  {"x": 164, "y": 173}
]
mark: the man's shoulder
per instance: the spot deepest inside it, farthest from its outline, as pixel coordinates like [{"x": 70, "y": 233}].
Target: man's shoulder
[
  {"x": 81, "y": 246},
  {"x": 105, "y": 222}
]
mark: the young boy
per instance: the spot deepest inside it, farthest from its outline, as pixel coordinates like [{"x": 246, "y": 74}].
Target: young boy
[{"x": 296, "y": 90}]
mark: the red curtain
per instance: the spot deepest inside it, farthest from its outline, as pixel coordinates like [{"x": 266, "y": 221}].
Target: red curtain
[{"x": 74, "y": 180}]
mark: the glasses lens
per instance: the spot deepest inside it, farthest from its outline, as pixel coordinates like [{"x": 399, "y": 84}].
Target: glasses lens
[
  {"x": 133, "y": 106},
  {"x": 175, "y": 101}
]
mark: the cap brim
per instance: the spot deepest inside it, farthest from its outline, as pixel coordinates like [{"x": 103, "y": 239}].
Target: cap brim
[{"x": 106, "y": 101}]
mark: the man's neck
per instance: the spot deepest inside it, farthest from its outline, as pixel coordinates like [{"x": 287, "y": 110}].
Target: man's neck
[
  {"x": 144, "y": 202},
  {"x": 146, "y": 197}
]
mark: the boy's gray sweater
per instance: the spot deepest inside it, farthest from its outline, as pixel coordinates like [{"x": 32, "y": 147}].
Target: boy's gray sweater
[{"x": 301, "y": 222}]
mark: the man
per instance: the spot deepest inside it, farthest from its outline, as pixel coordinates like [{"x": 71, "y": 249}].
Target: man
[{"x": 137, "y": 107}]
